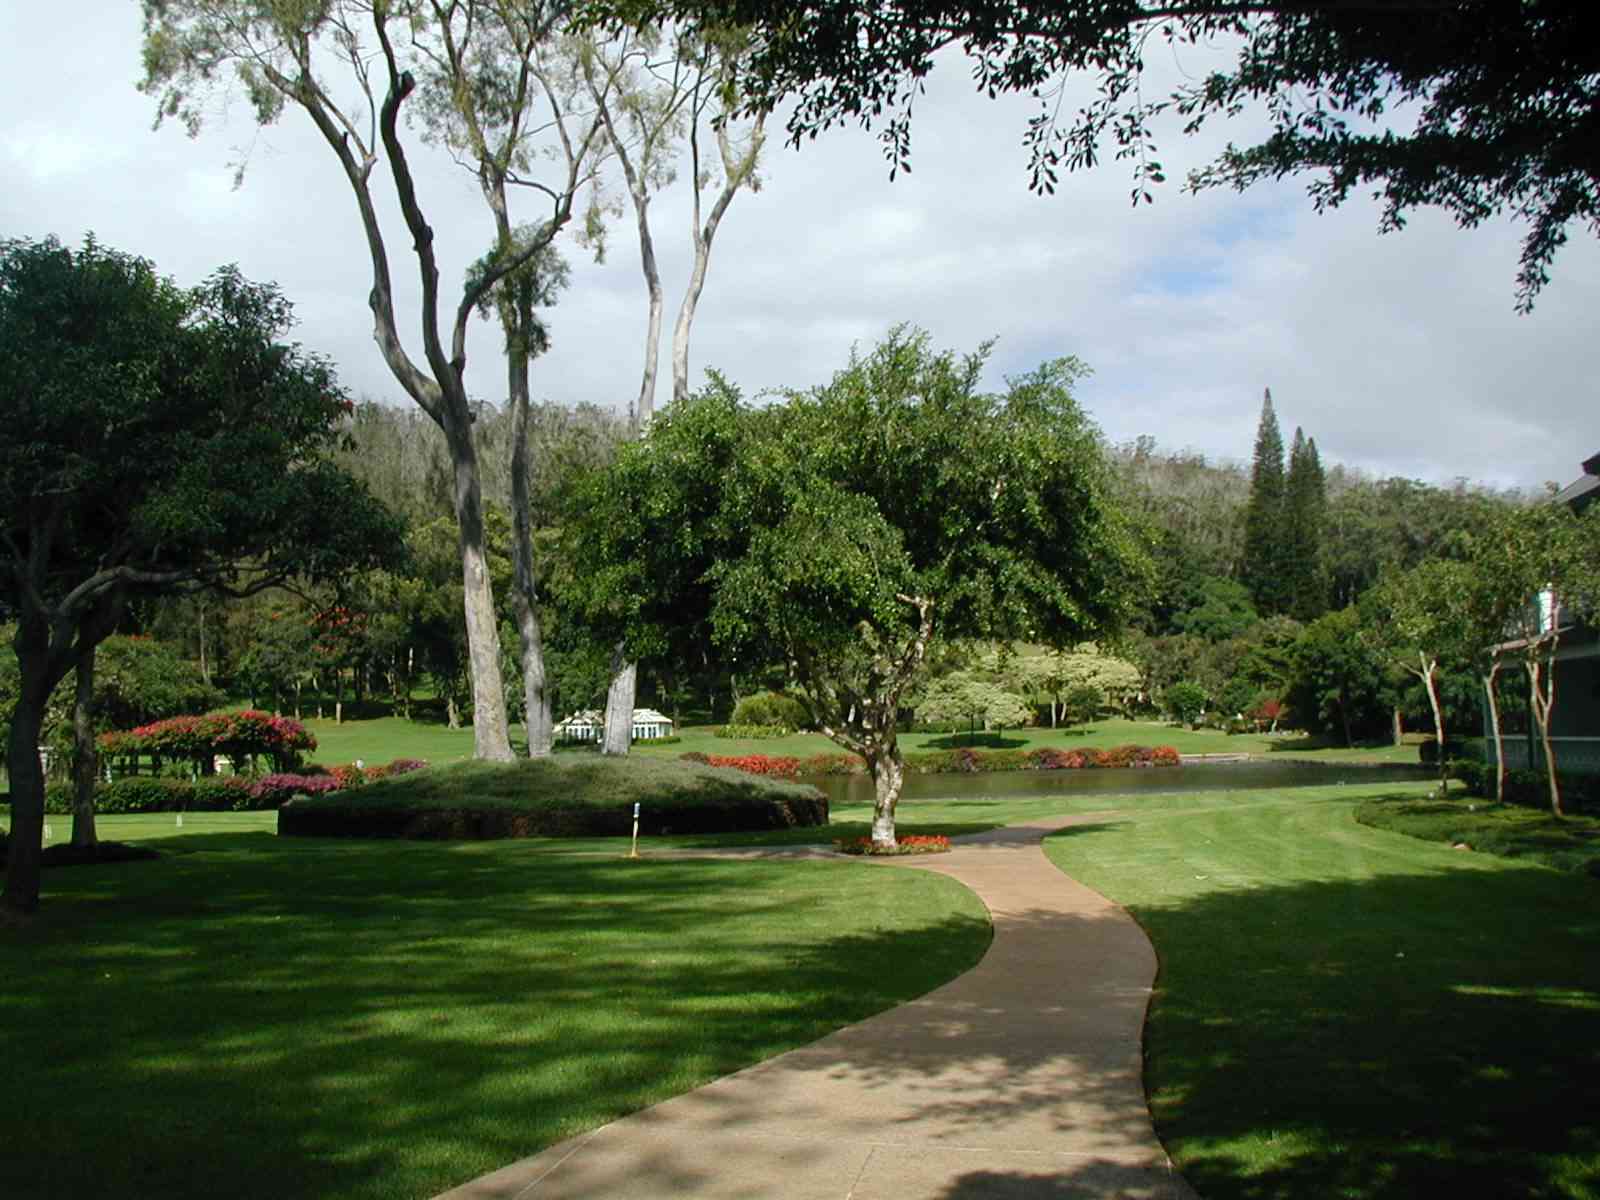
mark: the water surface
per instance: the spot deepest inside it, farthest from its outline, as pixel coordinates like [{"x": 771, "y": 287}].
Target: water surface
[{"x": 1116, "y": 781}]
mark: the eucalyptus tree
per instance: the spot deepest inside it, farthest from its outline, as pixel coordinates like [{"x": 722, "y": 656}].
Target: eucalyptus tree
[
  {"x": 653, "y": 87},
  {"x": 158, "y": 440},
  {"x": 485, "y": 55},
  {"x": 850, "y": 529}
]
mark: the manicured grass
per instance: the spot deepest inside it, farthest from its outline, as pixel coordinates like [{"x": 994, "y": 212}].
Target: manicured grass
[
  {"x": 1568, "y": 844},
  {"x": 1344, "y": 1012},
  {"x": 255, "y": 1017}
]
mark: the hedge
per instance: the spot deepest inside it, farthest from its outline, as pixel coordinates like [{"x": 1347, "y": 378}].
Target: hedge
[
  {"x": 234, "y": 793},
  {"x": 1528, "y": 789}
]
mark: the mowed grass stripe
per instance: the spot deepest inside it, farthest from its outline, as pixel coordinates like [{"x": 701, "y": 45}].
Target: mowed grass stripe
[{"x": 1346, "y": 1012}]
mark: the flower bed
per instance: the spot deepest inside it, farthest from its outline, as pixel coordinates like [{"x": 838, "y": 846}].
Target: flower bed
[
  {"x": 935, "y": 843},
  {"x": 240, "y": 735},
  {"x": 958, "y": 761}
]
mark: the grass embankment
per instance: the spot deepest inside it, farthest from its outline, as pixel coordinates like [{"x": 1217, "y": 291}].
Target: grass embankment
[
  {"x": 255, "y": 1017},
  {"x": 382, "y": 739},
  {"x": 1568, "y": 844},
  {"x": 1343, "y": 1012}
]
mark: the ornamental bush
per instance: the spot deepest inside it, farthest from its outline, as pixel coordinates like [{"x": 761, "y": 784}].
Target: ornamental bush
[
  {"x": 240, "y": 735},
  {"x": 772, "y": 709},
  {"x": 144, "y": 794}
]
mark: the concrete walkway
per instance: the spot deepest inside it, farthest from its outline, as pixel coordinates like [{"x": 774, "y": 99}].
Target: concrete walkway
[{"x": 1019, "y": 1079}]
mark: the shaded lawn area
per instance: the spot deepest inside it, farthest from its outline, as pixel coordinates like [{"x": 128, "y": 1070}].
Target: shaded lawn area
[
  {"x": 1344, "y": 1012},
  {"x": 251, "y": 1016},
  {"x": 1571, "y": 843}
]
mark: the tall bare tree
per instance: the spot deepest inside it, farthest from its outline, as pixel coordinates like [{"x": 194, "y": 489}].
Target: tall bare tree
[
  {"x": 651, "y": 89},
  {"x": 279, "y": 53}
]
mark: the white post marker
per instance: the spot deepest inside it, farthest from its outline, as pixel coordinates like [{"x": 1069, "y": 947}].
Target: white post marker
[
  {"x": 48, "y": 833},
  {"x": 180, "y": 820},
  {"x": 634, "y": 853}
]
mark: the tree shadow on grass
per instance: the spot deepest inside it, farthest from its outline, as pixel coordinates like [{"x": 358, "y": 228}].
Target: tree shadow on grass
[
  {"x": 1412, "y": 1034},
  {"x": 318, "y": 1022},
  {"x": 979, "y": 741}
]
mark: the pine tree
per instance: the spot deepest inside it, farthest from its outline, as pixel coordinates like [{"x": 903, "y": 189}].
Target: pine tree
[
  {"x": 1304, "y": 510},
  {"x": 1262, "y": 565}
]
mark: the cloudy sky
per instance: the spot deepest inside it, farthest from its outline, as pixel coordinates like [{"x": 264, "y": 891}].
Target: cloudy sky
[{"x": 1400, "y": 354}]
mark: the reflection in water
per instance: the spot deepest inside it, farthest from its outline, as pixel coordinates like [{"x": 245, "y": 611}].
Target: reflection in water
[{"x": 1116, "y": 781}]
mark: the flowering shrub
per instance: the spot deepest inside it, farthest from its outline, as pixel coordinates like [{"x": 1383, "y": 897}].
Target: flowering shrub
[
  {"x": 916, "y": 844},
  {"x": 694, "y": 756},
  {"x": 782, "y": 766},
  {"x": 833, "y": 764},
  {"x": 348, "y": 775},
  {"x": 275, "y": 789},
  {"x": 240, "y": 735},
  {"x": 404, "y": 766}
]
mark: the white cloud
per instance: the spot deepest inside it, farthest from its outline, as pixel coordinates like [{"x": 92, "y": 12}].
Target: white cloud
[{"x": 1400, "y": 354}]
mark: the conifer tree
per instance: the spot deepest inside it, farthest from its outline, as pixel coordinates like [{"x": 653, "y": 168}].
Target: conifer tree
[
  {"x": 1262, "y": 567},
  {"x": 1304, "y": 516}
]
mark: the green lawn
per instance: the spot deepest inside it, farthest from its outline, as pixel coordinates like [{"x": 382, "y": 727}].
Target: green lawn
[
  {"x": 250, "y": 1016},
  {"x": 382, "y": 739},
  {"x": 1345, "y": 1012}
]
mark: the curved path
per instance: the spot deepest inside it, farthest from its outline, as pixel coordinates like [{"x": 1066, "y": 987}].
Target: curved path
[{"x": 1020, "y": 1078}]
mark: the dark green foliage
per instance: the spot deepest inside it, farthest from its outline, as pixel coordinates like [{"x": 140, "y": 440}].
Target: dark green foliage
[
  {"x": 1222, "y": 609},
  {"x": 1184, "y": 701},
  {"x": 772, "y": 709},
  {"x": 146, "y": 794},
  {"x": 566, "y": 797},
  {"x": 1305, "y": 506},
  {"x": 1527, "y": 789},
  {"x": 1337, "y": 682},
  {"x": 1262, "y": 566}
]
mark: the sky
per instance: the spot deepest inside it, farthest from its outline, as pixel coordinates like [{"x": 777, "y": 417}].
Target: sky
[{"x": 1400, "y": 354}]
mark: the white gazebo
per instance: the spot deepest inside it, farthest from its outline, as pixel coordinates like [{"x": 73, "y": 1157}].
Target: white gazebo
[{"x": 589, "y": 726}]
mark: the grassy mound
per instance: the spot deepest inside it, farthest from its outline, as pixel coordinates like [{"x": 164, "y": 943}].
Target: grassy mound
[{"x": 565, "y": 797}]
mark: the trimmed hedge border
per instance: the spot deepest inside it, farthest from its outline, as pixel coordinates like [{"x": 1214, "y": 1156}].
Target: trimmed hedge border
[{"x": 325, "y": 820}]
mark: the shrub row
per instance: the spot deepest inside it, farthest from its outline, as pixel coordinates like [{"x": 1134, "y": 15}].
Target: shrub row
[
  {"x": 301, "y": 819},
  {"x": 1529, "y": 789},
  {"x": 774, "y": 709},
  {"x": 754, "y": 731},
  {"x": 235, "y": 793},
  {"x": 963, "y": 760}
]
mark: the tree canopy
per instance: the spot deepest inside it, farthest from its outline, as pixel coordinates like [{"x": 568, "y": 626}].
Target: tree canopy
[
  {"x": 158, "y": 439},
  {"x": 845, "y": 529},
  {"x": 1478, "y": 107}
]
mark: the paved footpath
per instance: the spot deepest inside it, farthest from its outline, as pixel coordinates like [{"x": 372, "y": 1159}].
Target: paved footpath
[{"x": 1020, "y": 1079}]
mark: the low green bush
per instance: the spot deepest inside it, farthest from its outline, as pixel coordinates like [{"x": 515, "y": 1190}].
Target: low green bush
[
  {"x": 772, "y": 709},
  {"x": 1528, "y": 789},
  {"x": 568, "y": 797},
  {"x": 754, "y": 731}
]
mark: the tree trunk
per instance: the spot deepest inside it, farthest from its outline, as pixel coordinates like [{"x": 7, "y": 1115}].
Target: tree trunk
[
  {"x": 619, "y": 705},
  {"x": 1344, "y": 720},
  {"x": 84, "y": 764},
  {"x": 888, "y": 769},
  {"x": 1541, "y": 698},
  {"x": 27, "y": 801},
  {"x": 452, "y": 713},
  {"x": 491, "y": 737},
  {"x": 524, "y": 586},
  {"x": 1499, "y": 736},
  {"x": 1399, "y": 727},
  {"x": 1429, "y": 673}
]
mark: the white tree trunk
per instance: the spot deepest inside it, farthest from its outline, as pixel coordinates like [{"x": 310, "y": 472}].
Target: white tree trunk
[
  {"x": 619, "y": 706},
  {"x": 1499, "y": 737},
  {"x": 491, "y": 738},
  {"x": 85, "y": 762}
]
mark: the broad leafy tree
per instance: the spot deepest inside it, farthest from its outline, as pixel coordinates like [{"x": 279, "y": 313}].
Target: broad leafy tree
[
  {"x": 849, "y": 529},
  {"x": 1493, "y": 100},
  {"x": 1423, "y": 621},
  {"x": 157, "y": 440}
]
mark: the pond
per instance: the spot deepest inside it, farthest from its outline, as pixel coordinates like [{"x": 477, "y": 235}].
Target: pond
[{"x": 1117, "y": 781}]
